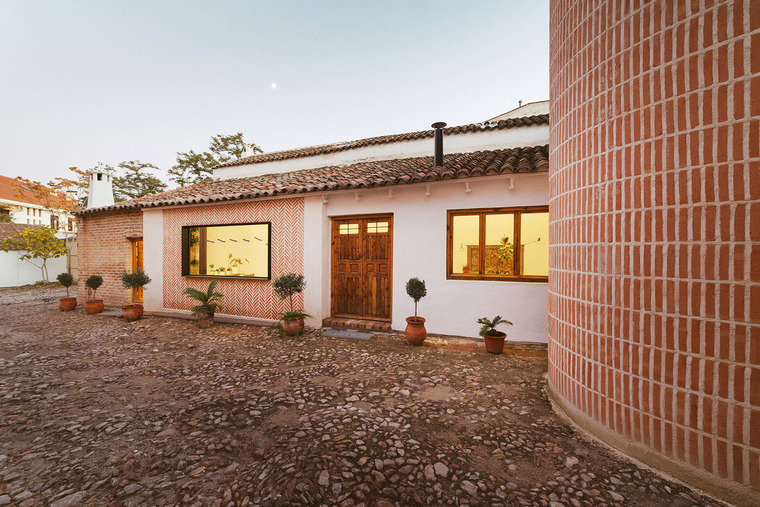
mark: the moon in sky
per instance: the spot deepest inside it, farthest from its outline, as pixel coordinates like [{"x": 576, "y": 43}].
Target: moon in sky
[{"x": 274, "y": 86}]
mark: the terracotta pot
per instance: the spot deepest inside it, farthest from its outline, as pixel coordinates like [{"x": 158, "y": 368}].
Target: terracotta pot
[
  {"x": 132, "y": 312},
  {"x": 94, "y": 306},
  {"x": 415, "y": 331},
  {"x": 205, "y": 318},
  {"x": 495, "y": 342},
  {"x": 292, "y": 327},
  {"x": 67, "y": 304}
]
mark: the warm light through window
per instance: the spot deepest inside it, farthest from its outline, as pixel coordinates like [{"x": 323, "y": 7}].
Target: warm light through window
[
  {"x": 227, "y": 250},
  {"x": 488, "y": 244},
  {"x": 348, "y": 229}
]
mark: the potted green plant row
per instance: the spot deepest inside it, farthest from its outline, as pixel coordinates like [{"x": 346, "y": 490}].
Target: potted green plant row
[
  {"x": 286, "y": 286},
  {"x": 209, "y": 302},
  {"x": 494, "y": 339},
  {"x": 94, "y": 305},
  {"x": 68, "y": 303},
  {"x": 134, "y": 281},
  {"x": 415, "y": 331}
]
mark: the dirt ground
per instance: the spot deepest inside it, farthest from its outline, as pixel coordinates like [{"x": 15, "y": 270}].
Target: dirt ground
[{"x": 98, "y": 411}]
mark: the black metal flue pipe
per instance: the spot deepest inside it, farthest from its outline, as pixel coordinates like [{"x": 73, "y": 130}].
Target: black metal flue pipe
[{"x": 438, "y": 136}]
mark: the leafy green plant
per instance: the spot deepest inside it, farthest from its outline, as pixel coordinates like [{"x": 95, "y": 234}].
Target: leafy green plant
[
  {"x": 134, "y": 280},
  {"x": 416, "y": 290},
  {"x": 488, "y": 327},
  {"x": 66, "y": 280},
  {"x": 210, "y": 299},
  {"x": 288, "y": 285},
  {"x": 94, "y": 282}
]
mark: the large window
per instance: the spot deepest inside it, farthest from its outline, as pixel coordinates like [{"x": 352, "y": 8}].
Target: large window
[
  {"x": 499, "y": 244},
  {"x": 227, "y": 250}
]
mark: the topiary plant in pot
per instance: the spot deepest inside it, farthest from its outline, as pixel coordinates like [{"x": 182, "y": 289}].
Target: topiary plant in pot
[
  {"x": 209, "y": 301},
  {"x": 415, "y": 326},
  {"x": 494, "y": 339},
  {"x": 286, "y": 286},
  {"x": 134, "y": 281},
  {"x": 94, "y": 305},
  {"x": 68, "y": 303}
]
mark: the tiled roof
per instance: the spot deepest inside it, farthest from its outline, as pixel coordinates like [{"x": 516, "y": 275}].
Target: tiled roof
[
  {"x": 8, "y": 230},
  {"x": 356, "y": 176},
  {"x": 9, "y": 190},
  {"x": 542, "y": 119}
]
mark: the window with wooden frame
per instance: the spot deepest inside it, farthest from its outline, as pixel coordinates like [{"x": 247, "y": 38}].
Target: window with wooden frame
[
  {"x": 509, "y": 244},
  {"x": 238, "y": 250}
]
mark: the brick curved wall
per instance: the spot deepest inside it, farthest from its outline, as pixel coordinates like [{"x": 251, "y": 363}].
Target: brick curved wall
[{"x": 655, "y": 228}]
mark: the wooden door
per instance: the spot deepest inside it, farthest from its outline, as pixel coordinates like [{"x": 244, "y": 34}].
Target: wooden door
[
  {"x": 361, "y": 267},
  {"x": 137, "y": 262}
]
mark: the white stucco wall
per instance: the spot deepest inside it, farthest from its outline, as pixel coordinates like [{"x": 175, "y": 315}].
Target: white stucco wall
[
  {"x": 14, "y": 272},
  {"x": 493, "y": 139},
  {"x": 419, "y": 249},
  {"x": 153, "y": 259}
]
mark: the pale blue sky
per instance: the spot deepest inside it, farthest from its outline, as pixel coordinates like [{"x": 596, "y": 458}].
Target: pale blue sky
[{"x": 89, "y": 81}]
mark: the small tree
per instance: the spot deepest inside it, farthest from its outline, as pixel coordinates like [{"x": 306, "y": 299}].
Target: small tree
[
  {"x": 288, "y": 285},
  {"x": 416, "y": 290},
  {"x": 66, "y": 280},
  {"x": 94, "y": 282},
  {"x": 36, "y": 243},
  {"x": 135, "y": 280}
]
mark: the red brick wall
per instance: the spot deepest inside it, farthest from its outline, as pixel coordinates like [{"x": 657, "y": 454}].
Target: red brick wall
[
  {"x": 245, "y": 297},
  {"x": 655, "y": 228},
  {"x": 104, "y": 249}
]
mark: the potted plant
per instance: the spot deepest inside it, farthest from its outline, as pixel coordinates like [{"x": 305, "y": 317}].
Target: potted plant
[
  {"x": 494, "y": 339},
  {"x": 415, "y": 326},
  {"x": 209, "y": 303},
  {"x": 67, "y": 303},
  {"x": 134, "y": 281},
  {"x": 286, "y": 286},
  {"x": 94, "y": 305}
]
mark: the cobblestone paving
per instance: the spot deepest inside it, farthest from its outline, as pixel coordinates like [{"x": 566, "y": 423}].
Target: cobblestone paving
[{"x": 97, "y": 411}]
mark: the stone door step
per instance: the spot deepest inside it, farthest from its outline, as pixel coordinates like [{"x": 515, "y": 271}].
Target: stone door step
[
  {"x": 346, "y": 333},
  {"x": 368, "y": 325}
]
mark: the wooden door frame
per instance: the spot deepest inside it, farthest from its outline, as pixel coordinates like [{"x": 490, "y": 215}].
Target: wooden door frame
[
  {"x": 137, "y": 260},
  {"x": 389, "y": 216}
]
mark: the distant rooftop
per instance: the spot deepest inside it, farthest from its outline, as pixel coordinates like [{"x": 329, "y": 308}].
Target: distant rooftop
[{"x": 530, "y": 109}]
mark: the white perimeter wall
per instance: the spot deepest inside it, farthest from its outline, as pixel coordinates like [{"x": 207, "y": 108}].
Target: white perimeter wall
[
  {"x": 153, "y": 259},
  {"x": 14, "y": 272},
  {"x": 419, "y": 249}
]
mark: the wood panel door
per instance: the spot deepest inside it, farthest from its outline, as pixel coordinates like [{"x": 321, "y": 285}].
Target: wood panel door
[
  {"x": 137, "y": 262},
  {"x": 362, "y": 250}
]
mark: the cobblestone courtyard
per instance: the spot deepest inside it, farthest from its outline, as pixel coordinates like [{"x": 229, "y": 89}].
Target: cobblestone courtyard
[{"x": 98, "y": 411}]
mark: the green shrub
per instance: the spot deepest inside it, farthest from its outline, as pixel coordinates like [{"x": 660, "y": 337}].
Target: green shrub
[
  {"x": 134, "y": 280},
  {"x": 416, "y": 290},
  {"x": 94, "y": 282},
  {"x": 66, "y": 280},
  {"x": 488, "y": 326},
  {"x": 209, "y": 299},
  {"x": 288, "y": 285}
]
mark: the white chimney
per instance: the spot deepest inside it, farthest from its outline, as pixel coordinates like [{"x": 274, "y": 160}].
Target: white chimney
[{"x": 101, "y": 189}]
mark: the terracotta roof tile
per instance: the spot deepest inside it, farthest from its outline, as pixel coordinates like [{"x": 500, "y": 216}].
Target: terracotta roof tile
[
  {"x": 542, "y": 119},
  {"x": 371, "y": 174},
  {"x": 8, "y": 230}
]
